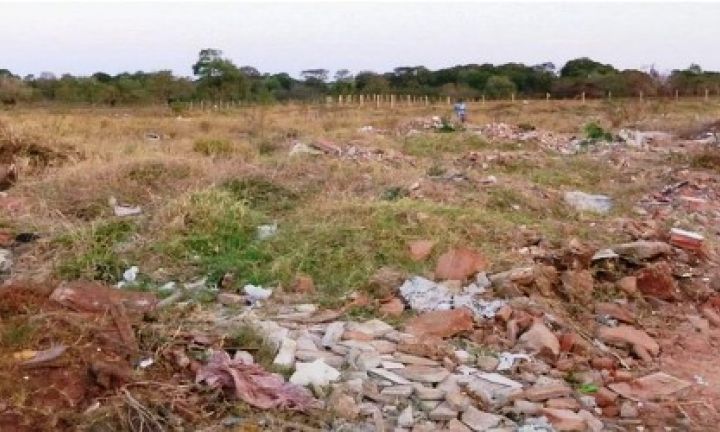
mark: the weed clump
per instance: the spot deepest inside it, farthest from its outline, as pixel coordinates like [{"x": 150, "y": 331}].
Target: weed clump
[
  {"x": 708, "y": 159},
  {"x": 595, "y": 132},
  {"x": 213, "y": 147},
  {"x": 261, "y": 194}
]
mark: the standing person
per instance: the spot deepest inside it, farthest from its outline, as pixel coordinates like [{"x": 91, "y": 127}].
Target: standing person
[{"x": 460, "y": 110}]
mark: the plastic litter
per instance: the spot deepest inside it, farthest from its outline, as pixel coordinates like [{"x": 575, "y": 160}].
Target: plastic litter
[
  {"x": 582, "y": 201},
  {"x": 6, "y": 260},
  {"x": 265, "y": 232},
  {"x": 253, "y": 384},
  {"x": 507, "y": 360},
  {"x": 300, "y": 148},
  {"x": 146, "y": 363},
  {"x": 257, "y": 293},
  {"x": 316, "y": 373}
]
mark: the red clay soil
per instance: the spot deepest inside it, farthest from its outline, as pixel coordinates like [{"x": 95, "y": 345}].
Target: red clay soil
[{"x": 51, "y": 395}]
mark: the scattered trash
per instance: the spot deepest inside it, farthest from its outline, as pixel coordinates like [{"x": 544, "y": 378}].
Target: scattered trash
[
  {"x": 257, "y": 293},
  {"x": 146, "y": 363},
  {"x": 686, "y": 239},
  {"x": 582, "y": 201},
  {"x": 39, "y": 358},
  {"x": 129, "y": 276},
  {"x": 6, "y": 260},
  {"x": 604, "y": 254},
  {"x": 152, "y": 136},
  {"x": 124, "y": 210},
  {"x": 252, "y": 384},
  {"x": 265, "y": 232},
  {"x": 316, "y": 374},
  {"x": 507, "y": 360}
]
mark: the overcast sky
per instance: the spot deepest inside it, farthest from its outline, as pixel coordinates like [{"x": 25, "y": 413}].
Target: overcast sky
[{"x": 82, "y": 38}]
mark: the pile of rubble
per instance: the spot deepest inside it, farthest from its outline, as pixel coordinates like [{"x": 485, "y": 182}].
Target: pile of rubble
[
  {"x": 349, "y": 152},
  {"x": 497, "y": 353}
]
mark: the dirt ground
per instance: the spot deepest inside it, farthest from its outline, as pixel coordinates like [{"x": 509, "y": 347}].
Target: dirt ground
[{"x": 342, "y": 192}]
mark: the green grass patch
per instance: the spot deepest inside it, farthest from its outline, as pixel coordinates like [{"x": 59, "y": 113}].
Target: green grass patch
[
  {"x": 15, "y": 335},
  {"x": 91, "y": 253},
  {"x": 430, "y": 145},
  {"x": 262, "y": 194}
]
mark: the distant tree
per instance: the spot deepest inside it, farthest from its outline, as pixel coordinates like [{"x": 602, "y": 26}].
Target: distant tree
[
  {"x": 207, "y": 64},
  {"x": 371, "y": 82},
  {"x": 219, "y": 78},
  {"x": 584, "y": 68},
  {"x": 250, "y": 71},
  {"x": 499, "y": 86},
  {"x": 315, "y": 76},
  {"x": 343, "y": 75},
  {"x": 102, "y": 77}
]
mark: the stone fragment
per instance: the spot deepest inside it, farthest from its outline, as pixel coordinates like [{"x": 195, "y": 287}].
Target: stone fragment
[
  {"x": 542, "y": 392},
  {"x": 480, "y": 421},
  {"x": 652, "y": 386},
  {"x": 578, "y": 285},
  {"x": 401, "y": 391},
  {"x": 331, "y": 359},
  {"x": 333, "y": 333},
  {"x": 424, "y": 374},
  {"x": 657, "y": 281},
  {"x": 391, "y": 365},
  {"x": 443, "y": 412},
  {"x": 390, "y": 376},
  {"x": 564, "y": 420},
  {"x": 459, "y": 264},
  {"x": 625, "y": 334},
  {"x": 441, "y": 323},
  {"x": 420, "y": 250},
  {"x": 593, "y": 423},
  {"x": 541, "y": 341},
  {"x": 366, "y": 360},
  {"x": 230, "y": 299},
  {"x": 393, "y": 307},
  {"x": 356, "y": 335},
  {"x": 376, "y": 328},
  {"x": 383, "y": 347},
  {"x": 406, "y": 419},
  {"x": 628, "y": 409},
  {"x": 525, "y": 407},
  {"x": 457, "y": 400},
  {"x": 487, "y": 363},
  {"x": 428, "y": 393},
  {"x": 605, "y": 397},
  {"x": 316, "y": 374},
  {"x": 343, "y": 406},
  {"x": 643, "y": 249},
  {"x": 456, "y": 425},
  {"x": 414, "y": 360},
  {"x": 286, "y": 354}
]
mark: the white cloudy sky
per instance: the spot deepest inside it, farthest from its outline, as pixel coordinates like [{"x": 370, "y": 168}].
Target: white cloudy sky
[{"x": 82, "y": 38}]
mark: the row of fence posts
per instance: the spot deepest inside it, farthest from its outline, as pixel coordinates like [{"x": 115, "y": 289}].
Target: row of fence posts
[{"x": 391, "y": 100}]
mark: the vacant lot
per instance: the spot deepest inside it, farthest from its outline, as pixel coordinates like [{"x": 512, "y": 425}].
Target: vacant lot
[{"x": 320, "y": 204}]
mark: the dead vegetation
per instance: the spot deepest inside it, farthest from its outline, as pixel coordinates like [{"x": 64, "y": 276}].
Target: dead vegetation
[{"x": 341, "y": 210}]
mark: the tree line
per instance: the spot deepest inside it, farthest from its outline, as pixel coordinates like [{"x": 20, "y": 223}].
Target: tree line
[{"x": 217, "y": 78}]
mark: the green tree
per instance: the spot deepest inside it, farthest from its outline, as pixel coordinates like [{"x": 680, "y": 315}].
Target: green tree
[{"x": 499, "y": 87}]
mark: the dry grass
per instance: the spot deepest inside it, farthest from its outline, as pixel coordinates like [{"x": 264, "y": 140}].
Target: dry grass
[{"x": 211, "y": 178}]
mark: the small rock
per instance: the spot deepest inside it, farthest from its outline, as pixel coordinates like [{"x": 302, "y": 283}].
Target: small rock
[
  {"x": 628, "y": 409},
  {"x": 367, "y": 360},
  {"x": 428, "y": 393},
  {"x": 487, "y": 363},
  {"x": 441, "y": 323},
  {"x": 462, "y": 356},
  {"x": 312, "y": 355},
  {"x": 356, "y": 335},
  {"x": 459, "y": 264},
  {"x": 458, "y": 401},
  {"x": 401, "y": 391},
  {"x": 420, "y": 249},
  {"x": 563, "y": 403},
  {"x": 625, "y": 334},
  {"x": 375, "y": 327},
  {"x": 526, "y": 407},
  {"x": 343, "y": 405},
  {"x": 605, "y": 397},
  {"x": 391, "y": 365},
  {"x": 230, "y": 299},
  {"x": 390, "y": 376},
  {"x": 643, "y": 249},
  {"x": 429, "y": 405},
  {"x": 456, "y": 425},
  {"x": 628, "y": 285},
  {"x": 564, "y": 420},
  {"x": 394, "y": 307},
  {"x": 406, "y": 417},
  {"x": 542, "y": 392},
  {"x": 316, "y": 373},
  {"x": 657, "y": 281},
  {"x": 286, "y": 355},
  {"x": 333, "y": 333},
  {"x": 443, "y": 412},
  {"x": 540, "y": 340},
  {"x": 480, "y": 421},
  {"x": 383, "y": 346},
  {"x": 414, "y": 360},
  {"x": 424, "y": 374},
  {"x": 593, "y": 423}
]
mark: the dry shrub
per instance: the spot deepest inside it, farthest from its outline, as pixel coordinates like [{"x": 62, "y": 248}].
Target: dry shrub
[{"x": 31, "y": 152}]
